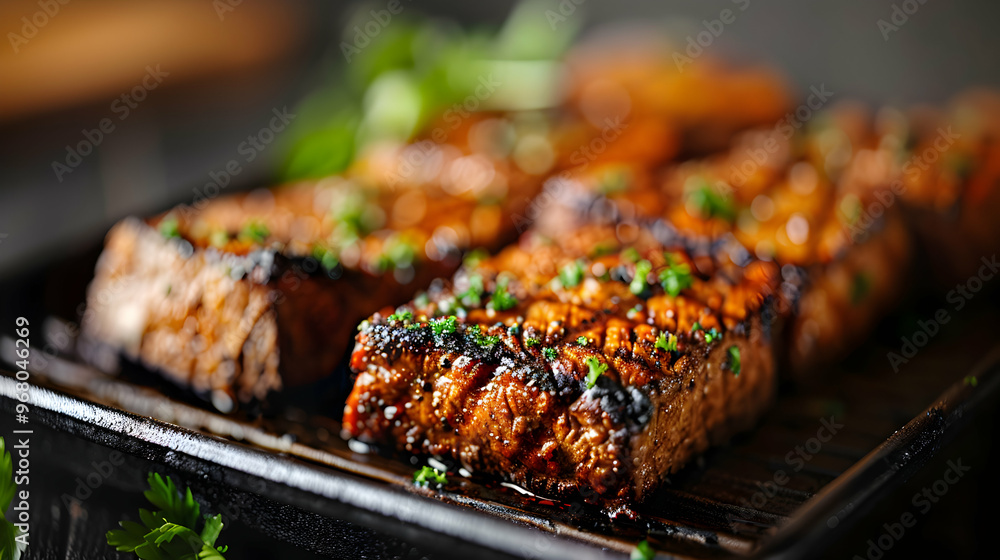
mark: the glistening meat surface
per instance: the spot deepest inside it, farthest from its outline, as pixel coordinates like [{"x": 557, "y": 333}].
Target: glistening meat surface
[{"x": 552, "y": 366}]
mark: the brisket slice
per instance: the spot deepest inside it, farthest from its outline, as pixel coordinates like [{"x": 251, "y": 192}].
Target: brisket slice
[{"x": 505, "y": 391}]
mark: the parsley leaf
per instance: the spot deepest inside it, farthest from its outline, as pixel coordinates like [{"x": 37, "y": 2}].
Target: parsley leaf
[
  {"x": 502, "y": 299},
  {"x": 9, "y": 545},
  {"x": 170, "y": 228},
  {"x": 642, "y": 551},
  {"x": 709, "y": 203},
  {"x": 169, "y": 533},
  {"x": 630, "y": 255},
  {"x": 401, "y": 316},
  {"x": 582, "y": 341},
  {"x": 475, "y": 332},
  {"x": 675, "y": 277},
  {"x": 571, "y": 275},
  {"x": 427, "y": 475},
  {"x": 614, "y": 180},
  {"x": 444, "y": 325},
  {"x": 549, "y": 353},
  {"x": 474, "y": 257},
  {"x": 734, "y": 360},
  {"x": 254, "y": 232},
  {"x": 667, "y": 343},
  {"x": 642, "y": 270},
  {"x": 596, "y": 369},
  {"x": 529, "y": 342},
  {"x": 712, "y": 334},
  {"x": 473, "y": 296}
]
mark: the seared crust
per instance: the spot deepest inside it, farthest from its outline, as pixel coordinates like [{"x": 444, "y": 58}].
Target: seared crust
[
  {"x": 245, "y": 294},
  {"x": 519, "y": 405},
  {"x": 808, "y": 202}
]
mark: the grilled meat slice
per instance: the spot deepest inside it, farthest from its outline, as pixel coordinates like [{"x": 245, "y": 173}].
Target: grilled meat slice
[
  {"x": 241, "y": 295},
  {"x": 553, "y": 367},
  {"x": 950, "y": 183},
  {"x": 806, "y": 202}
]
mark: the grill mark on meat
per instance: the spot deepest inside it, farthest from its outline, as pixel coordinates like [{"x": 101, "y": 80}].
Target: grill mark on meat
[{"x": 529, "y": 417}]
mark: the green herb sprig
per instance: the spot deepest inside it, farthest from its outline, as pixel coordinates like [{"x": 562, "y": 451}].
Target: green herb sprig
[
  {"x": 596, "y": 370},
  {"x": 427, "y": 476},
  {"x": 12, "y": 542},
  {"x": 171, "y": 531}
]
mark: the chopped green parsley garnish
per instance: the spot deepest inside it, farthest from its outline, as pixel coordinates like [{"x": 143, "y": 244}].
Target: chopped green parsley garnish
[
  {"x": 549, "y": 353},
  {"x": 614, "y": 181},
  {"x": 642, "y": 270},
  {"x": 642, "y": 551},
  {"x": 602, "y": 249},
  {"x": 254, "y": 232},
  {"x": 475, "y": 257},
  {"x": 668, "y": 343},
  {"x": 514, "y": 329},
  {"x": 473, "y": 296},
  {"x": 571, "y": 275},
  {"x": 218, "y": 238},
  {"x": 734, "y": 359},
  {"x": 178, "y": 528},
  {"x": 696, "y": 326},
  {"x": 396, "y": 253},
  {"x": 529, "y": 342},
  {"x": 401, "y": 316},
  {"x": 444, "y": 325},
  {"x": 709, "y": 203},
  {"x": 971, "y": 380},
  {"x": 675, "y": 277},
  {"x": 169, "y": 228},
  {"x": 502, "y": 299},
  {"x": 427, "y": 475},
  {"x": 476, "y": 333},
  {"x": 596, "y": 369},
  {"x": 582, "y": 341},
  {"x": 422, "y": 299},
  {"x": 630, "y": 255},
  {"x": 712, "y": 334},
  {"x": 327, "y": 258}
]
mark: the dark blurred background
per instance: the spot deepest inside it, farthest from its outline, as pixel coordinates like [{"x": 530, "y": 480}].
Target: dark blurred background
[{"x": 230, "y": 63}]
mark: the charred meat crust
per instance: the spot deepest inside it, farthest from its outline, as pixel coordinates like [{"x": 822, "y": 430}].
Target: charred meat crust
[
  {"x": 514, "y": 393},
  {"x": 224, "y": 324}
]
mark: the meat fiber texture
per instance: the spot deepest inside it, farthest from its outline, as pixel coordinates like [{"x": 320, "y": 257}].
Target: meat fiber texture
[
  {"x": 553, "y": 367},
  {"x": 245, "y": 294}
]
